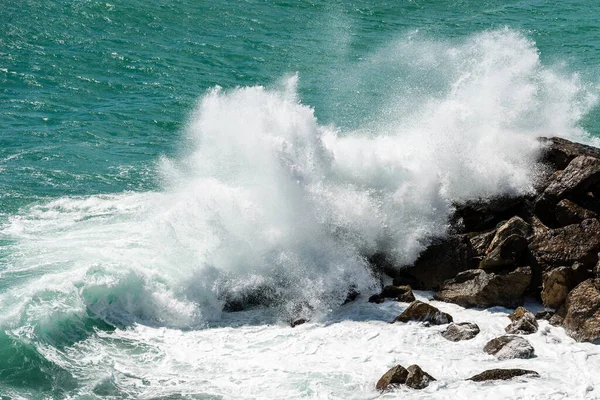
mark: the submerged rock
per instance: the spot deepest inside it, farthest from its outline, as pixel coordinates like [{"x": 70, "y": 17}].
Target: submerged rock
[
  {"x": 478, "y": 288},
  {"x": 412, "y": 376},
  {"x": 582, "y": 312},
  {"x": 461, "y": 331},
  {"x": 298, "y": 321},
  {"x": 423, "y": 312},
  {"x": 523, "y": 322},
  {"x": 502, "y": 374},
  {"x": 376, "y": 298},
  {"x": 509, "y": 346}
]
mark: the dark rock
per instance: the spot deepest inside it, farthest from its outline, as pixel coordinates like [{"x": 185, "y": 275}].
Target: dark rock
[
  {"x": 545, "y": 315},
  {"x": 567, "y": 245},
  {"x": 509, "y": 346},
  {"x": 502, "y": 374},
  {"x": 461, "y": 331},
  {"x": 559, "y": 152},
  {"x": 352, "y": 294},
  {"x": 423, "y": 312},
  {"x": 443, "y": 259},
  {"x": 558, "y": 282},
  {"x": 514, "y": 226},
  {"x": 478, "y": 288},
  {"x": 557, "y": 318},
  {"x": 569, "y": 213},
  {"x": 417, "y": 378},
  {"x": 582, "y": 312},
  {"x": 523, "y": 322},
  {"x": 483, "y": 214},
  {"x": 376, "y": 298},
  {"x": 395, "y": 376},
  {"x": 507, "y": 253},
  {"x": 481, "y": 241},
  {"x": 298, "y": 321},
  {"x": 382, "y": 264},
  {"x": 401, "y": 293}
]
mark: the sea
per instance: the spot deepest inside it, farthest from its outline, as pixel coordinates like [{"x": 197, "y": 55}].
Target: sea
[{"x": 179, "y": 180}]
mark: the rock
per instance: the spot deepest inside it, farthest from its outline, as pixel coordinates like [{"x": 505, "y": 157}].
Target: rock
[
  {"x": 298, "y": 321},
  {"x": 568, "y": 245},
  {"x": 545, "y": 315},
  {"x": 556, "y": 319},
  {"x": 423, "y": 312},
  {"x": 523, "y": 322},
  {"x": 582, "y": 312},
  {"x": 483, "y": 214},
  {"x": 352, "y": 294},
  {"x": 443, "y": 259},
  {"x": 559, "y": 152},
  {"x": 508, "y": 347},
  {"x": 478, "y": 288},
  {"x": 417, "y": 378},
  {"x": 412, "y": 376},
  {"x": 509, "y": 252},
  {"x": 461, "y": 331},
  {"x": 514, "y": 226},
  {"x": 401, "y": 293},
  {"x": 395, "y": 376},
  {"x": 376, "y": 298},
  {"x": 502, "y": 374},
  {"x": 568, "y": 213},
  {"x": 558, "y": 282},
  {"x": 481, "y": 241}
]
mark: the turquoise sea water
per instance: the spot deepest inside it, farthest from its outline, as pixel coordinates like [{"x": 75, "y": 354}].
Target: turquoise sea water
[{"x": 96, "y": 98}]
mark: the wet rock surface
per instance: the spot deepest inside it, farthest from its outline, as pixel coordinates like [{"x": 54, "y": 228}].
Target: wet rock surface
[
  {"x": 423, "y": 312},
  {"x": 461, "y": 331},
  {"x": 523, "y": 322},
  {"x": 502, "y": 374},
  {"x": 508, "y": 347}
]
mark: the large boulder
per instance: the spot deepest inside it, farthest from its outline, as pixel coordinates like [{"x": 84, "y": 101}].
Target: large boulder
[
  {"x": 478, "y": 288},
  {"x": 558, "y": 152},
  {"x": 558, "y": 282},
  {"x": 443, "y": 259},
  {"x": 508, "y": 253},
  {"x": 522, "y": 322},
  {"x": 423, "y": 312},
  {"x": 567, "y": 245},
  {"x": 481, "y": 241},
  {"x": 569, "y": 213},
  {"x": 417, "y": 378},
  {"x": 514, "y": 226},
  {"x": 483, "y": 214},
  {"x": 509, "y": 346},
  {"x": 413, "y": 377},
  {"x": 502, "y": 374},
  {"x": 582, "y": 312},
  {"x": 461, "y": 331}
]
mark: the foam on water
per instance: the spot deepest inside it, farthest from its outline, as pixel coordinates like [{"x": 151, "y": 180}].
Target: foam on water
[{"x": 266, "y": 199}]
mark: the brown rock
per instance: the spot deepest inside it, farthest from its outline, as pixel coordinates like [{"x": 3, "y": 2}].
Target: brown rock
[
  {"x": 509, "y": 346},
  {"x": 523, "y": 322},
  {"x": 478, "y": 288},
  {"x": 417, "y": 378},
  {"x": 582, "y": 312},
  {"x": 401, "y": 293},
  {"x": 514, "y": 226},
  {"x": 395, "y": 376},
  {"x": 461, "y": 331},
  {"x": 559, "y": 152},
  {"x": 483, "y": 214},
  {"x": 568, "y": 213},
  {"x": 568, "y": 245},
  {"x": 481, "y": 241},
  {"x": 545, "y": 315},
  {"x": 510, "y": 252},
  {"x": 558, "y": 282},
  {"x": 423, "y": 312},
  {"x": 502, "y": 374}
]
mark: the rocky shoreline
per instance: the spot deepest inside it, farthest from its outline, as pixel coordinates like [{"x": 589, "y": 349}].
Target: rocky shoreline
[{"x": 499, "y": 250}]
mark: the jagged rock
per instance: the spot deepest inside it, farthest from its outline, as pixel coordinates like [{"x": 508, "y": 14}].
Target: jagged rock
[
  {"x": 419, "y": 311},
  {"x": 514, "y": 226},
  {"x": 567, "y": 245},
  {"x": 478, "y": 288},
  {"x": 545, "y": 315},
  {"x": 395, "y": 376},
  {"x": 507, "y": 253},
  {"x": 523, "y": 322},
  {"x": 401, "y": 293},
  {"x": 558, "y": 282},
  {"x": 417, "y": 378},
  {"x": 461, "y": 331},
  {"x": 480, "y": 215},
  {"x": 502, "y": 374},
  {"x": 568, "y": 213},
  {"x": 557, "y": 318},
  {"x": 509, "y": 346},
  {"x": 582, "y": 312},
  {"x": 376, "y": 298},
  {"x": 443, "y": 259},
  {"x": 412, "y": 376},
  {"x": 481, "y": 241},
  {"x": 559, "y": 152}
]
